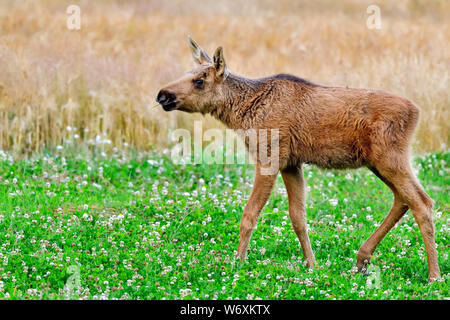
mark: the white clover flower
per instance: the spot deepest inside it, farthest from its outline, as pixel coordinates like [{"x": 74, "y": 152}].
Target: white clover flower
[{"x": 334, "y": 202}]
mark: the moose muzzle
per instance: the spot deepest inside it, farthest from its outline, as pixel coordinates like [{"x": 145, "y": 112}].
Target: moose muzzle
[{"x": 167, "y": 99}]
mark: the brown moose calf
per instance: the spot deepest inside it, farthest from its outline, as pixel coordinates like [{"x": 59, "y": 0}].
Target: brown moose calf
[{"x": 330, "y": 127}]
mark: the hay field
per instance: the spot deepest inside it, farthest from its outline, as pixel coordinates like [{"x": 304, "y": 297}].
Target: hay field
[{"x": 100, "y": 81}]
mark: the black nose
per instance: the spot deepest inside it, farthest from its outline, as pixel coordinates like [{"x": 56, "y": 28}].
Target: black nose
[{"x": 165, "y": 97}]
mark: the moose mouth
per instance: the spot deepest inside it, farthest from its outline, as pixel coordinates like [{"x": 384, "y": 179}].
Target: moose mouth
[{"x": 170, "y": 106}]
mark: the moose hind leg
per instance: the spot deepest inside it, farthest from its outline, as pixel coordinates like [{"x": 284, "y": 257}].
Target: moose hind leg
[
  {"x": 421, "y": 206},
  {"x": 397, "y": 211}
]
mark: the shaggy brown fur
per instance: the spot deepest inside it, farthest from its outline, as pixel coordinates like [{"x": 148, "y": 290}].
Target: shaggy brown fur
[{"x": 330, "y": 127}]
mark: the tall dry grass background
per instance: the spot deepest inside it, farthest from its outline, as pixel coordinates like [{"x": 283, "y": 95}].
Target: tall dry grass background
[{"x": 102, "y": 80}]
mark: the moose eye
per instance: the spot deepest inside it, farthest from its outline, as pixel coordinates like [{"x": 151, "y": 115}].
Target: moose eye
[{"x": 198, "y": 83}]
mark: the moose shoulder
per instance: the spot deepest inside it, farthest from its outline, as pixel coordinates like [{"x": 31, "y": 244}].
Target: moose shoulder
[{"x": 330, "y": 127}]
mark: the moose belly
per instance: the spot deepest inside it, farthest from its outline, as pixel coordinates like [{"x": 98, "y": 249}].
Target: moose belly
[{"x": 338, "y": 155}]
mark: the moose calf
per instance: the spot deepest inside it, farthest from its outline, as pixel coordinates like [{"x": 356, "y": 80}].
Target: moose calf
[{"x": 330, "y": 127}]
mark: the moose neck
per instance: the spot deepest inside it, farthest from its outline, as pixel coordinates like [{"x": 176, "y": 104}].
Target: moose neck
[{"x": 240, "y": 95}]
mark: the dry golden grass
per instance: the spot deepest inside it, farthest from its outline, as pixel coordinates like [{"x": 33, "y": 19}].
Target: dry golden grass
[{"x": 102, "y": 79}]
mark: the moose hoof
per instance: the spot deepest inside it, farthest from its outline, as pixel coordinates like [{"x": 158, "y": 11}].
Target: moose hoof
[
  {"x": 363, "y": 268},
  {"x": 362, "y": 263},
  {"x": 432, "y": 277},
  {"x": 240, "y": 257}
]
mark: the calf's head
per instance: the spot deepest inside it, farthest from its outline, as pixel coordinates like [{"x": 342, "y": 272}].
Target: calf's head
[{"x": 199, "y": 88}]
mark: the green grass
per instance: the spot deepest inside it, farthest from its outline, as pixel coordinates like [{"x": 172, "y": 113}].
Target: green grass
[{"x": 140, "y": 227}]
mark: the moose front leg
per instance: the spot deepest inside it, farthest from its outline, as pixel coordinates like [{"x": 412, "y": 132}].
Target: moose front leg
[{"x": 262, "y": 187}]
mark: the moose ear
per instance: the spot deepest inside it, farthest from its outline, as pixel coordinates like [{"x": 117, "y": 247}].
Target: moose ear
[
  {"x": 199, "y": 55},
  {"x": 219, "y": 63}
]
